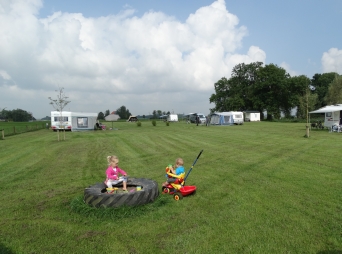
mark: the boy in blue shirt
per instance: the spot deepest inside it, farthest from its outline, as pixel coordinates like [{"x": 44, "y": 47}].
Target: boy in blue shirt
[{"x": 178, "y": 171}]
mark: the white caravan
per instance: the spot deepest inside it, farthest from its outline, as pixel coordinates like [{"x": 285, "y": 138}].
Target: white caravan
[
  {"x": 172, "y": 118},
  {"x": 73, "y": 121},
  {"x": 333, "y": 114},
  {"x": 236, "y": 117},
  {"x": 252, "y": 116}
]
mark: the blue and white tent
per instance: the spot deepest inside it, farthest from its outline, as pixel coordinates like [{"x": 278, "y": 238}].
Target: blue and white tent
[{"x": 221, "y": 118}]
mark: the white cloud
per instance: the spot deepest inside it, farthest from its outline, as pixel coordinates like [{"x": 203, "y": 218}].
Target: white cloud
[
  {"x": 332, "y": 61},
  {"x": 106, "y": 62},
  {"x": 4, "y": 75},
  {"x": 288, "y": 69}
]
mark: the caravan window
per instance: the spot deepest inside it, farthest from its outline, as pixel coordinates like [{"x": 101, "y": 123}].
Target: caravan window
[
  {"x": 60, "y": 118},
  {"x": 238, "y": 116},
  {"x": 82, "y": 122},
  {"x": 328, "y": 114}
]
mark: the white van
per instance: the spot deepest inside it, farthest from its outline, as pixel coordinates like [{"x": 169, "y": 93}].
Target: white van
[{"x": 202, "y": 118}]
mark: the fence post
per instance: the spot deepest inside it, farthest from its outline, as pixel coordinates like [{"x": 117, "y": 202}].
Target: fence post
[
  {"x": 27, "y": 128},
  {"x": 14, "y": 129},
  {"x": 3, "y": 133}
]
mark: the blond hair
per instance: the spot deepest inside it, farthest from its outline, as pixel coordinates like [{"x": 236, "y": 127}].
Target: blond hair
[
  {"x": 112, "y": 159},
  {"x": 179, "y": 161}
]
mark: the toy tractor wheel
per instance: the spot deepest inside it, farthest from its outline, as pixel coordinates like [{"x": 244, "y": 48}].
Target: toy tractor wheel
[
  {"x": 177, "y": 196},
  {"x": 165, "y": 190}
]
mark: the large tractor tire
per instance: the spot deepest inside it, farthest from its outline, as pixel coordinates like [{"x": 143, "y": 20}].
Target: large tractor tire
[{"x": 97, "y": 196}]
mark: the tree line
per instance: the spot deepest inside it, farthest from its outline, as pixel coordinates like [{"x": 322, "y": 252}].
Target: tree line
[
  {"x": 270, "y": 88},
  {"x": 124, "y": 113},
  {"x": 16, "y": 115}
]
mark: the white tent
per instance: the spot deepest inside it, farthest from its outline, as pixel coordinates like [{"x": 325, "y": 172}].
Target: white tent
[
  {"x": 333, "y": 114},
  {"x": 112, "y": 117}
]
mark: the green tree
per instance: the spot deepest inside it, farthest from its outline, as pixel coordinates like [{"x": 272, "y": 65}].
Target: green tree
[
  {"x": 221, "y": 96},
  {"x": 101, "y": 116},
  {"x": 306, "y": 103},
  {"x": 242, "y": 85},
  {"x": 298, "y": 88},
  {"x": 271, "y": 90},
  {"x": 59, "y": 104},
  {"x": 154, "y": 114},
  {"x": 3, "y": 112},
  {"x": 334, "y": 94},
  {"x": 18, "y": 115},
  {"x": 321, "y": 83},
  {"x": 107, "y": 112},
  {"x": 237, "y": 93},
  {"x": 123, "y": 112}
]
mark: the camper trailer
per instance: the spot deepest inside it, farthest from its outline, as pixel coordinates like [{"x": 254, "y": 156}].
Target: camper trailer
[
  {"x": 252, "y": 116},
  {"x": 332, "y": 115},
  {"x": 172, "y": 118},
  {"x": 237, "y": 117},
  {"x": 227, "y": 118},
  {"x": 73, "y": 121}
]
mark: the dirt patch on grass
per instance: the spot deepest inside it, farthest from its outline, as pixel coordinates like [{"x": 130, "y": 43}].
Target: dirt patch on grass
[{"x": 91, "y": 234}]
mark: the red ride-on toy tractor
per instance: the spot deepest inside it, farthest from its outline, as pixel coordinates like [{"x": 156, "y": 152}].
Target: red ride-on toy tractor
[{"x": 178, "y": 188}]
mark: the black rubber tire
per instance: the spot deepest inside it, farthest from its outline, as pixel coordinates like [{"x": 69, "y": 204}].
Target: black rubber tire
[
  {"x": 97, "y": 196},
  {"x": 177, "y": 196}
]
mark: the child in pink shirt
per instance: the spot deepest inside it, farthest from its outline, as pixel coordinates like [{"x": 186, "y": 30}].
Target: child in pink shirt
[{"x": 113, "y": 172}]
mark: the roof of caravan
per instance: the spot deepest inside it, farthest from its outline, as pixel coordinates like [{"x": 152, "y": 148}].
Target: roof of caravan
[
  {"x": 226, "y": 113},
  {"x": 329, "y": 108},
  {"x": 69, "y": 113}
]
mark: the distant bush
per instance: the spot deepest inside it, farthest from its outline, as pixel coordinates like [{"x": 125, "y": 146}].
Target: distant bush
[
  {"x": 154, "y": 123},
  {"x": 139, "y": 124},
  {"x": 167, "y": 123}
]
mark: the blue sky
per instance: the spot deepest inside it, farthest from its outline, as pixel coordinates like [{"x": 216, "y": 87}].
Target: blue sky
[{"x": 162, "y": 55}]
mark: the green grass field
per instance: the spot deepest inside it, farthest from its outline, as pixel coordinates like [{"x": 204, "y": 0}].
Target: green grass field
[
  {"x": 13, "y": 128},
  {"x": 261, "y": 188}
]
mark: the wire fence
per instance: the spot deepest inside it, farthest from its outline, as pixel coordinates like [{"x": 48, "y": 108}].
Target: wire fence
[{"x": 11, "y": 130}]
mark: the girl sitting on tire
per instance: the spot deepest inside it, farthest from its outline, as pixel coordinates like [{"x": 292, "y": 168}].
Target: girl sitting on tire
[{"x": 113, "y": 172}]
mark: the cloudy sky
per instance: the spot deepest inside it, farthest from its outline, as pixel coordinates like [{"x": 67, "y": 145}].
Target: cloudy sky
[{"x": 154, "y": 54}]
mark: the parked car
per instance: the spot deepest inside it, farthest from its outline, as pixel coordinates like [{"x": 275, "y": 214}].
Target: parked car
[{"x": 201, "y": 116}]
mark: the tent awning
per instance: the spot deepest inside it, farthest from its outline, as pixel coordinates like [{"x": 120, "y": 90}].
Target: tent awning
[{"x": 330, "y": 108}]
